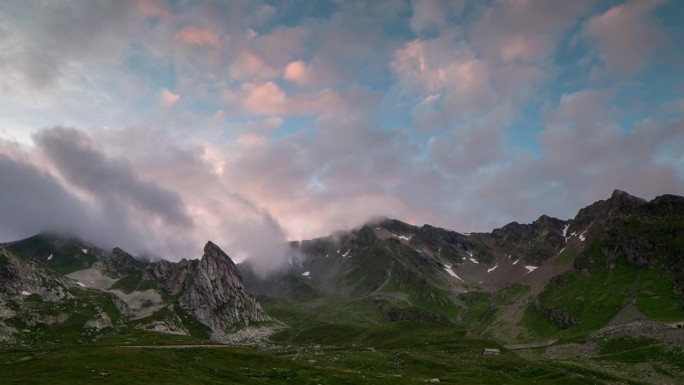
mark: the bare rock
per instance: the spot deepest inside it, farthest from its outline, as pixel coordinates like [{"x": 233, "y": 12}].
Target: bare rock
[{"x": 215, "y": 295}]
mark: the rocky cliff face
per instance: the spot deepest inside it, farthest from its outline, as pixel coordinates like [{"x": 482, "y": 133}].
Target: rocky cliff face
[
  {"x": 172, "y": 276},
  {"x": 26, "y": 277},
  {"x": 620, "y": 203},
  {"x": 160, "y": 296},
  {"x": 120, "y": 263},
  {"x": 214, "y": 293}
]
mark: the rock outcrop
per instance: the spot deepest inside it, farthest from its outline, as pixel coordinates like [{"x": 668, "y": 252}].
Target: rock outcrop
[
  {"x": 172, "y": 276},
  {"x": 120, "y": 263},
  {"x": 26, "y": 277},
  {"x": 215, "y": 295}
]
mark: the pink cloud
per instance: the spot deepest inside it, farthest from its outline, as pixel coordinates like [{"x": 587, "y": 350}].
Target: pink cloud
[
  {"x": 525, "y": 29},
  {"x": 626, "y": 35},
  {"x": 198, "y": 36},
  {"x": 299, "y": 73},
  {"x": 250, "y": 67},
  {"x": 269, "y": 99},
  {"x": 281, "y": 45},
  {"x": 266, "y": 99},
  {"x": 154, "y": 8},
  {"x": 168, "y": 98},
  {"x": 447, "y": 76}
]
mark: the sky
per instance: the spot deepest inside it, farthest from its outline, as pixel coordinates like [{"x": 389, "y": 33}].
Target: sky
[{"x": 156, "y": 125}]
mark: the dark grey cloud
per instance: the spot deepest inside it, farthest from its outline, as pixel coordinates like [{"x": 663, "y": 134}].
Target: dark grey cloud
[
  {"x": 32, "y": 201},
  {"x": 109, "y": 182},
  {"x": 83, "y": 193}
]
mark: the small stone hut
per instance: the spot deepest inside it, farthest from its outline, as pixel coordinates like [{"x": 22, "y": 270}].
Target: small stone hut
[{"x": 490, "y": 352}]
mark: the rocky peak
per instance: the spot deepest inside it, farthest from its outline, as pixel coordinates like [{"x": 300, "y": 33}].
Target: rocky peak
[
  {"x": 216, "y": 262},
  {"x": 215, "y": 294},
  {"x": 119, "y": 263},
  {"x": 666, "y": 206},
  {"x": 618, "y": 204},
  {"x": 621, "y": 200},
  {"x": 542, "y": 228},
  {"x": 396, "y": 226}
]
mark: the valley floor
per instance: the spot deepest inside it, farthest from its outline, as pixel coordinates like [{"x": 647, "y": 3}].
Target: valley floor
[{"x": 400, "y": 353}]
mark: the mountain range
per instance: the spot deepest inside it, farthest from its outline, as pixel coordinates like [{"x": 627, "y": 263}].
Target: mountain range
[{"x": 616, "y": 267}]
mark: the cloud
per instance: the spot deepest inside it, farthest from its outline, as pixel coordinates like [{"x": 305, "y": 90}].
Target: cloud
[
  {"x": 168, "y": 98},
  {"x": 298, "y": 72},
  {"x": 33, "y": 201},
  {"x": 198, "y": 36},
  {"x": 166, "y": 207},
  {"x": 293, "y": 120},
  {"x": 83, "y": 194},
  {"x": 250, "y": 67},
  {"x": 428, "y": 14},
  {"x": 154, "y": 8},
  {"x": 270, "y": 99},
  {"x": 73, "y": 155},
  {"x": 525, "y": 29},
  {"x": 626, "y": 35},
  {"x": 451, "y": 83},
  {"x": 57, "y": 37}
]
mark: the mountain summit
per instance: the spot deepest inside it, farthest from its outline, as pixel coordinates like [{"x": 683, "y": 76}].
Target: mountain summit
[{"x": 214, "y": 293}]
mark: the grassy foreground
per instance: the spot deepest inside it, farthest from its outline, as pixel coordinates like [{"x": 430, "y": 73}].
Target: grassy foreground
[{"x": 402, "y": 353}]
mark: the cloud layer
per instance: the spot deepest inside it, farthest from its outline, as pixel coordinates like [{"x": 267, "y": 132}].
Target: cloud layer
[{"x": 157, "y": 125}]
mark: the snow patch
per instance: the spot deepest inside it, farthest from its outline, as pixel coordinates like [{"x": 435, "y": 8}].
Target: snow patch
[
  {"x": 25, "y": 293},
  {"x": 531, "y": 268},
  {"x": 516, "y": 261},
  {"x": 49, "y": 257},
  {"x": 582, "y": 237},
  {"x": 492, "y": 269},
  {"x": 561, "y": 250},
  {"x": 466, "y": 234},
  {"x": 565, "y": 232},
  {"x": 306, "y": 273},
  {"x": 451, "y": 273},
  {"x": 402, "y": 237},
  {"x": 80, "y": 284},
  {"x": 473, "y": 260},
  {"x": 346, "y": 254},
  {"x": 85, "y": 251}
]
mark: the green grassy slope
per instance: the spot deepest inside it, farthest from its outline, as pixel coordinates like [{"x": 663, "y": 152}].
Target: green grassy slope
[{"x": 405, "y": 353}]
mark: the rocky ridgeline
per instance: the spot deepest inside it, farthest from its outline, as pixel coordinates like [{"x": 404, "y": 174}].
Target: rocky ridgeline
[{"x": 209, "y": 289}]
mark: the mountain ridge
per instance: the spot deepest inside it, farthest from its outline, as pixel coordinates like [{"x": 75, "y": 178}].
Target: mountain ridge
[{"x": 509, "y": 283}]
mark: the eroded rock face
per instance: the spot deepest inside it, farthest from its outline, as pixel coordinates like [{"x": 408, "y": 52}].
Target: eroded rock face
[
  {"x": 171, "y": 275},
  {"x": 27, "y": 277},
  {"x": 121, "y": 263},
  {"x": 214, "y": 293}
]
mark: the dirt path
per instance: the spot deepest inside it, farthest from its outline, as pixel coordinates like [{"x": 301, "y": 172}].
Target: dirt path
[
  {"x": 193, "y": 346},
  {"x": 531, "y": 345}
]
